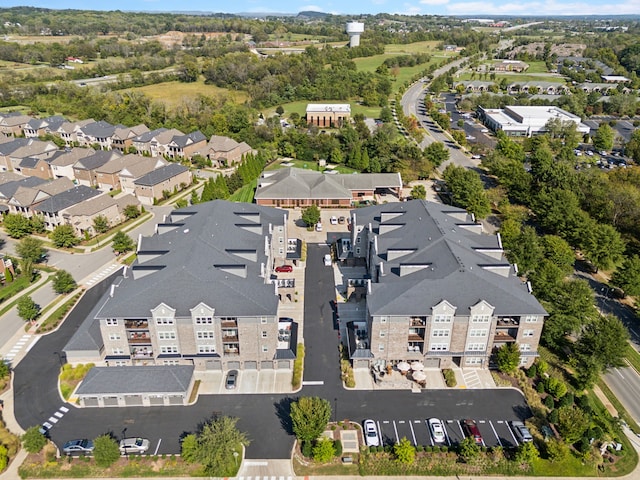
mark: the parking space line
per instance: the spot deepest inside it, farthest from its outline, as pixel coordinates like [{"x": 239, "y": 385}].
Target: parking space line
[
  {"x": 495, "y": 433},
  {"x": 158, "y": 447},
  {"x": 395, "y": 429},
  {"x": 512, "y": 435},
  {"x": 380, "y": 432},
  {"x": 413, "y": 434}
]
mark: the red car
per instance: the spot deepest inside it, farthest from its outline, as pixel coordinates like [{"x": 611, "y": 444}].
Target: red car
[{"x": 284, "y": 268}]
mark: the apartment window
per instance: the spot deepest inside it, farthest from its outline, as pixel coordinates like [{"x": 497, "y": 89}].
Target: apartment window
[
  {"x": 357, "y": 250},
  {"x": 442, "y": 318},
  {"x": 523, "y": 361},
  {"x": 264, "y": 334},
  {"x": 280, "y": 240},
  {"x": 531, "y": 319},
  {"x": 281, "y": 251},
  {"x": 120, "y": 363},
  {"x": 228, "y": 319},
  {"x": 478, "y": 332},
  {"x": 204, "y": 320},
  {"x": 114, "y": 336},
  {"x": 164, "y": 321},
  {"x": 169, "y": 335},
  {"x": 439, "y": 347},
  {"x": 473, "y": 361},
  {"x": 170, "y": 362},
  {"x": 476, "y": 347},
  {"x": 263, "y": 320},
  {"x": 280, "y": 229},
  {"x": 206, "y": 349},
  {"x": 265, "y": 349},
  {"x": 525, "y": 347},
  {"x": 528, "y": 333},
  {"x": 481, "y": 318},
  {"x": 383, "y": 334},
  {"x": 383, "y": 319},
  {"x": 169, "y": 349},
  {"x": 202, "y": 335},
  {"x": 381, "y": 347},
  {"x": 440, "y": 333},
  {"x": 117, "y": 351},
  {"x": 112, "y": 321}
]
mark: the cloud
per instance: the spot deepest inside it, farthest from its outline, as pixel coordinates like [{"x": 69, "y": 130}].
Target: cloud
[
  {"x": 548, "y": 7},
  {"x": 311, "y": 8},
  {"x": 433, "y": 2}
]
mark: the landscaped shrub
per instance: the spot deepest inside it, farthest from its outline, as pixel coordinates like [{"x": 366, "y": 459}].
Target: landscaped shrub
[
  {"x": 584, "y": 403},
  {"x": 380, "y": 449},
  {"x": 556, "y": 387},
  {"x": 548, "y": 402},
  {"x": 307, "y": 449},
  {"x": 429, "y": 448},
  {"x": 298, "y": 363},
  {"x": 540, "y": 387},
  {"x": 553, "y": 416},
  {"x": 449, "y": 377},
  {"x": 566, "y": 401},
  {"x": 532, "y": 371},
  {"x": 337, "y": 446}
]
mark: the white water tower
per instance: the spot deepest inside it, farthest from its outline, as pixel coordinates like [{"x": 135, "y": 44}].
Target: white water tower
[{"x": 354, "y": 29}]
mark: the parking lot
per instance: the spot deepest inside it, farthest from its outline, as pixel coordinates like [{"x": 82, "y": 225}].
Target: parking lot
[{"x": 494, "y": 432}]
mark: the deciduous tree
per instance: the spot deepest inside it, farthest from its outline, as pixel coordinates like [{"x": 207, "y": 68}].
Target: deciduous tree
[
  {"x": 310, "y": 416},
  {"x": 17, "y": 226},
  {"x": 63, "y": 282},
  {"x": 508, "y": 357},
  {"x": 30, "y": 248},
  {"x": 311, "y": 215},
  {"x": 105, "y": 451},
  {"x": 33, "y": 441},
  {"x": 64, "y": 236},
  {"x": 28, "y": 310},
  {"x": 122, "y": 243},
  {"x": 627, "y": 276}
]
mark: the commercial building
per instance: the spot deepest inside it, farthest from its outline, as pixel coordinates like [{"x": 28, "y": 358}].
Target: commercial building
[
  {"x": 518, "y": 121},
  {"x": 329, "y": 115}
]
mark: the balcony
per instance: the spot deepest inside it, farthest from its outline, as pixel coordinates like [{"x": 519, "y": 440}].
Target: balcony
[
  {"x": 229, "y": 336},
  {"x": 416, "y": 337},
  {"x": 507, "y": 321},
  {"x": 229, "y": 323},
  {"x": 231, "y": 350},
  {"x": 136, "y": 324},
  {"x": 139, "y": 338},
  {"x": 415, "y": 347},
  {"x": 418, "y": 321},
  {"x": 141, "y": 353},
  {"x": 504, "y": 336}
]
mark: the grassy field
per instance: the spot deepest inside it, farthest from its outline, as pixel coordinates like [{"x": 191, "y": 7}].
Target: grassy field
[
  {"x": 172, "y": 93},
  {"x": 417, "y": 47},
  {"x": 244, "y": 194}
]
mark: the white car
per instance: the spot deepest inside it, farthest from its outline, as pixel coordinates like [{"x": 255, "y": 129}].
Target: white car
[
  {"x": 371, "y": 433},
  {"x": 318, "y": 227},
  {"x": 134, "y": 445},
  {"x": 437, "y": 430},
  {"x": 327, "y": 260},
  {"x": 333, "y": 220}
]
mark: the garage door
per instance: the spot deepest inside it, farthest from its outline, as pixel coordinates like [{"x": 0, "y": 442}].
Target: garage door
[
  {"x": 110, "y": 401},
  {"x": 90, "y": 401},
  {"x": 233, "y": 365},
  {"x": 133, "y": 400},
  {"x": 156, "y": 400},
  {"x": 213, "y": 365},
  {"x": 176, "y": 400},
  {"x": 432, "y": 362},
  {"x": 284, "y": 364},
  {"x": 266, "y": 365},
  {"x": 251, "y": 365}
]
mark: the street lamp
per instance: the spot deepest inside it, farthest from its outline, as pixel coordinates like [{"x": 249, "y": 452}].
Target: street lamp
[{"x": 124, "y": 432}]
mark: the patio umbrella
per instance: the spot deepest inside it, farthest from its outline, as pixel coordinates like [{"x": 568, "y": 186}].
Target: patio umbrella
[
  {"x": 419, "y": 376},
  {"x": 417, "y": 366},
  {"x": 403, "y": 366}
]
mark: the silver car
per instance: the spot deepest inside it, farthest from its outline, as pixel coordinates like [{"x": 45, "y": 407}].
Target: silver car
[
  {"x": 437, "y": 430},
  {"x": 521, "y": 431},
  {"x": 371, "y": 433},
  {"x": 81, "y": 445},
  {"x": 134, "y": 445}
]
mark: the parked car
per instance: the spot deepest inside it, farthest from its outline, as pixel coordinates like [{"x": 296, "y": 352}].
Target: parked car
[
  {"x": 341, "y": 220},
  {"x": 333, "y": 220},
  {"x": 471, "y": 430},
  {"x": 232, "y": 378},
  {"x": 134, "y": 445},
  {"x": 327, "y": 260},
  {"x": 81, "y": 445},
  {"x": 284, "y": 268},
  {"x": 437, "y": 430},
  {"x": 371, "y": 433},
  {"x": 318, "y": 227},
  {"x": 521, "y": 431}
]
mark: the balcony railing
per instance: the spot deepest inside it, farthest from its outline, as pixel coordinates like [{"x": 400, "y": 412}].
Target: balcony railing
[
  {"x": 229, "y": 323},
  {"x": 418, "y": 321},
  {"x": 414, "y": 337},
  {"x": 140, "y": 339},
  {"x": 503, "y": 336},
  {"x": 507, "y": 322},
  {"x": 136, "y": 324}
]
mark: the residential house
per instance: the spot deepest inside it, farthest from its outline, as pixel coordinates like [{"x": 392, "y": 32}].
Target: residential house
[
  {"x": 53, "y": 208},
  {"x": 33, "y": 148},
  {"x": 185, "y": 146},
  {"x": 108, "y": 175},
  {"x": 134, "y": 170},
  {"x": 85, "y": 169},
  {"x": 25, "y": 198},
  {"x": 475, "y": 86},
  {"x": 63, "y": 161},
  {"x": 510, "y": 66},
  {"x": 35, "y": 167},
  {"x": 163, "y": 311},
  {"x": 296, "y": 187},
  {"x": 6, "y": 263},
  {"x": 438, "y": 290},
  {"x": 123, "y": 137},
  {"x": 328, "y": 114},
  {"x": 82, "y": 215},
  {"x": 7, "y": 148},
  {"x": 68, "y": 131},
  {"x": 541, "y": 87},
  {"x": 9, "y": 187},
  {"x": 156, "y": 142},
  {"x": 37, "y": 127},
  {"x": 97, "y": 134},
  {"x": 172, "y": 177},
  {"x": 224, "y": 151},
  {"x": 13, "y": 124}
]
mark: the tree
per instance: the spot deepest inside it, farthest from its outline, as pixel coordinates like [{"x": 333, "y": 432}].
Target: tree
[
  {"x": 324, "y": 450},
  {"x": 527, "y": 453},
  {"x": 30, "y": 248},
  {"x": 310, "y": 416},
  {"x": 404, "y": 451},
  {"x": 559, "y": 252},
  {"x": 311, "y": 215},
  {"x": 28, "y": 310},
  {"x": 17, "y": 226},
  {"x": 436, "y": 153},
  {"x": 627, "y": 276},
  {"x": 418, "y": 192},
  {"x": 122, "y": 243},
  {"x": 37, "y": 224},
  {"x": 8, "y": 276},
  {"x": 105, "y": 451},
  {"x": 632, "y": 148},
  {"x": 603, "y": 246},
  {"x": 508, "y": 357},
  {"x": 216, "y": 444},
  {"x": 189, "y": 448},
  {"x": 64, "y": 236},
  {"x": 572, "y": 423},
  {"x": 280, "y": 110},
  {"x": 468, "y": 449},
  {"x": 131, "y": 211},
  {"x": 603, "y": 139},
  {"x": 33, "y": 441},
  {"x": 63, "y": 282},
  {"x": 467, "y": 190},
  {"x": 101, "y": 224}
]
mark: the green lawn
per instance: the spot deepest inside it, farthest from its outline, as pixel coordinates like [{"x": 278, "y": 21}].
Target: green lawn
[
  {"x": 244, "y": 194},
  {"x": 172, "y": 93},
  {"x": 306, "y": 165}
]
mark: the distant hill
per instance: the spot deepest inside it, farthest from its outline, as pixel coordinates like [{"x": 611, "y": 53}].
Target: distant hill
[{"x": 312, "y": 14}]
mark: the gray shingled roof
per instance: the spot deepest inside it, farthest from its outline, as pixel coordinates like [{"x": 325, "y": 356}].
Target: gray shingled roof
[
  {"x": 447, "y": 261},
  {"x": 67, "y": 199},
  {"x": 11, "y": 146},
  {"x": 9, "y": 189},
  {"x": 96, "y": 160},
  {"x": 194, "y": 267},
  {"x": 170, "y": 379},
  {"x": 64, "y": 158},
  {"x": 147, "y": 136},
  {"x": 161, "y": 174},
  {"x": 100, "y": 129},
  {"x": 29, "y": 162},
  {"x": 189, "y": 139}
]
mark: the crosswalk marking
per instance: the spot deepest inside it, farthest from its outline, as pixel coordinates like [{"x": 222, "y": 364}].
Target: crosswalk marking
[
  {"x": 63, "y": 409},
  {"x": 18, "y": 347},
  {"x": 107, "y": 271}
]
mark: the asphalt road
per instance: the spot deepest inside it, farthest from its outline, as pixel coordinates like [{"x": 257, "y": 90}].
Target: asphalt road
[
  {"x": 264, "y": 417},
  {"x": 625, "y": 385}
]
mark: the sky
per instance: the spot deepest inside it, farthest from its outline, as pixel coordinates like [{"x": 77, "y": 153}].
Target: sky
[{"x": 490, "y": 8}]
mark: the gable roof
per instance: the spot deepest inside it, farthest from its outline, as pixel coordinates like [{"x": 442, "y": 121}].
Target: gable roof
[
  {"x": 124, "y": 133},
  {"x": 99, "y": 129},
  {"x": 33, "y": 147},
  {"x": 93, "y": 205},
  {"x": 70, "y": 127},
  {"x": 6, "y": 148},
  {"x": 161, "y": 174},
  {"x": 188, "y": 139},
  {"x": 170, "y": 379},
  {"x": 70, "y": 157},
  {"x": 143, "y": 166},
  {"x": 148, "y": 136},
  {"x": 67, "y": 199},
  {"x": 115, "y": 165},
  {"x": 8, "y": 189},
  {"x": 96, "y": 160},
  {"x": 56, "y": 186}
]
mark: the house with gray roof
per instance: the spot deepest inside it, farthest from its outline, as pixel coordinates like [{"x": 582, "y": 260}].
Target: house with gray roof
[
  {"x": 170, "y": 178},
  {"x": 122, "y": 137},
  {"x": 438, "y": 290},
  {"x": 12, "y": 124},
  {"x": 81, "y": 216},
  {"x": 8, "y": 189},
  {"x": 26, "y": 198},
  {"x": 21, "y": 148},
  {"x": 297, "y": 187},
  {"x": 156, "y": 142},
  {"x": 63, "y": 161},
  {"x": 52, "y": 209},
  {"x": 85, "y": 170},
  {"x": 134, "y": 170},
  {"x": 37, "y": 127},
  {"x": 201, "y": 292},
  {"x": 68, "y": 131},
  {"x": 97, "y": 133},
  {"x": 225, "y": 151},
  {"x": 185, "y": 146}
]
